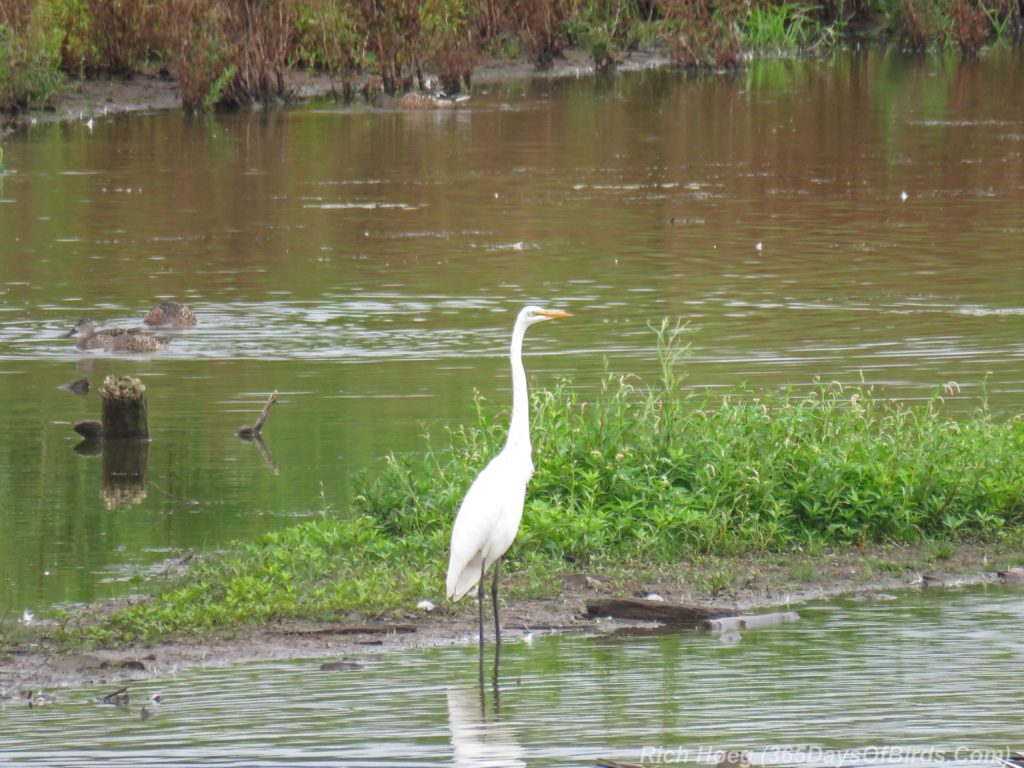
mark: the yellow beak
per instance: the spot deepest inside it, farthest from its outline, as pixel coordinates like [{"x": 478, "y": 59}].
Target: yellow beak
[{"x": 553, "y": 313}]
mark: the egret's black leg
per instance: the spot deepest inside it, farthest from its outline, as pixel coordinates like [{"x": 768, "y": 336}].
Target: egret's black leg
[
  {"x": 480, "y": 599},
  {"x": 497, "y": 622}
]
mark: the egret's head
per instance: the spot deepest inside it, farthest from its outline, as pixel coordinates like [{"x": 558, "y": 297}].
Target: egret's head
[
  {"x": 531, "y": 315},
  {"x": 82, "y": 326}
]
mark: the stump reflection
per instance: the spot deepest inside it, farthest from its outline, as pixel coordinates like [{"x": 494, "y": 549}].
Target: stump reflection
[{"x": 124, "y": 472}]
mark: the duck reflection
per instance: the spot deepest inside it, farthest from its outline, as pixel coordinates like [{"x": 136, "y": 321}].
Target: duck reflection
[{"x": 479, "y": 740}]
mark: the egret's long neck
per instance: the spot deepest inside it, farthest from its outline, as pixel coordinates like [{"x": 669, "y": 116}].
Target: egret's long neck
[{"x": 519, "y": 429}]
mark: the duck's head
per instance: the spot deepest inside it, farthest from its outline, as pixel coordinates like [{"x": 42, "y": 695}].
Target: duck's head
[{"x": 83, "y": 327}]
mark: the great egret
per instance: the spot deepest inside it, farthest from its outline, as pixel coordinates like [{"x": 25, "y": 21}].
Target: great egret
[
  {"x": 171, "y": 313},
  {"x": 489, "y": 516}
]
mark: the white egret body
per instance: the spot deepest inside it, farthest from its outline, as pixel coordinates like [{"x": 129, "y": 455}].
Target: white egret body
[{"x": 489, "y": 516}]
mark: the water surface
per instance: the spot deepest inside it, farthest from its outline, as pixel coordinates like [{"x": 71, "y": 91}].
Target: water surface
[
  {"x": 850, "y": 219},
  {"x": 852, "y": 682}
]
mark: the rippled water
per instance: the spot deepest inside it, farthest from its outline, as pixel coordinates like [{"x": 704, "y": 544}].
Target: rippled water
[
  {"x": 929, "y": 672},
  {"x": 851, "y": 219}
]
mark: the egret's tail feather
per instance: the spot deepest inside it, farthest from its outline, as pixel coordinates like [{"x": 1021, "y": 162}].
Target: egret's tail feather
[{"x": 461, "y": 580}]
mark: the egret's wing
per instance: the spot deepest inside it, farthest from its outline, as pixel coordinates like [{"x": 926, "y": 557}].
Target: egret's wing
[{"x": 482, "y": 522}]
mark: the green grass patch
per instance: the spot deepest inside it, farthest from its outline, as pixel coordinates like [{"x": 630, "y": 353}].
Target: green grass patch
[
  {"x": 787, "y": 27},
  {"x": 636, "y": 474}
]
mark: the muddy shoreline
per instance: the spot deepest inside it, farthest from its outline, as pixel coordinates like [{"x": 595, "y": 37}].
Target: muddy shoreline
[
  {"x": 757, "y": 585},
  {"x": 105, "y": 97}
]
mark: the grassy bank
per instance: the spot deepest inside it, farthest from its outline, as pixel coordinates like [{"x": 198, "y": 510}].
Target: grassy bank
[
  {"x": 634, "y": 480},
  {"x": 237, "y": 51}
]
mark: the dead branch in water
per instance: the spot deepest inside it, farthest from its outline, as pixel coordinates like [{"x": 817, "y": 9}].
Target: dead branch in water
[{"x": 246, "y": 432}]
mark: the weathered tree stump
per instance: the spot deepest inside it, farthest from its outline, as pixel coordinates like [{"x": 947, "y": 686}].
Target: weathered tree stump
[
  {"x": 654, "y": 610},
  {"x": 122, "y": 438},
  {"x": 124, "y": 409}
]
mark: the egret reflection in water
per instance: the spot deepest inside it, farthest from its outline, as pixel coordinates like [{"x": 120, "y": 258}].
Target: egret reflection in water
[{"x": 478, "y": 740}]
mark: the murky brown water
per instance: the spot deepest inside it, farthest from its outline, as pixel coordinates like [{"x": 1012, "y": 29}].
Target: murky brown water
[{"x": 846, "y": 219}]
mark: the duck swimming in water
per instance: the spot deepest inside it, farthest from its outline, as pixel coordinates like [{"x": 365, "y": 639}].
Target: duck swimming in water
[
  {"x": 171, "y": 313},
  {"x": 115, "y": 339}
]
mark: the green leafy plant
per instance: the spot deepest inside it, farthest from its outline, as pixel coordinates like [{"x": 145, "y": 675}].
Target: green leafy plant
[
  {"x": 1002, "y": 17},
  {"x": 215, "y": 92}
]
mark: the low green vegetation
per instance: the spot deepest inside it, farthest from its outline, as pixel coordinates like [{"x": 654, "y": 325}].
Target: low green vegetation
[
  {"x": 239, "y": 51},
  {"x": 639, "y": 477},
  {"x": 785, "y": 27},
  {"x": 608, "y": 29},
  {"x": 29, "y": 55}
]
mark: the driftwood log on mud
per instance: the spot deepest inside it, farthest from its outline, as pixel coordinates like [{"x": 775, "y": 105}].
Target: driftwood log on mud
[
  {"x": 695, "y": 616},
  {"x": 1012, "y": 575},
  {"x": 247, "y": 432},
  {"x": 351, "y": 629},
  {"x": 654, "y": 610},
  {"x": 124, "y": 414}
]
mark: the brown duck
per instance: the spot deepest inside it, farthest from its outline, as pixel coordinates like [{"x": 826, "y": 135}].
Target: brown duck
[
  {"x": 115, "y": 339},
  {"x": 171, "y": 313}
]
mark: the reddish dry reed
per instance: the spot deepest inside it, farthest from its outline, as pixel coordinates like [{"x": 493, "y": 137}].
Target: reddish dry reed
[
  {"x": 238, "y": 51},
  {"x": 972, "y": 26},
  {"x": 116, "y": 38},
  {"x": 700, "y": 33},
  {"x": 539, "y": 24},
  {"x": 232, "y": 51}
]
